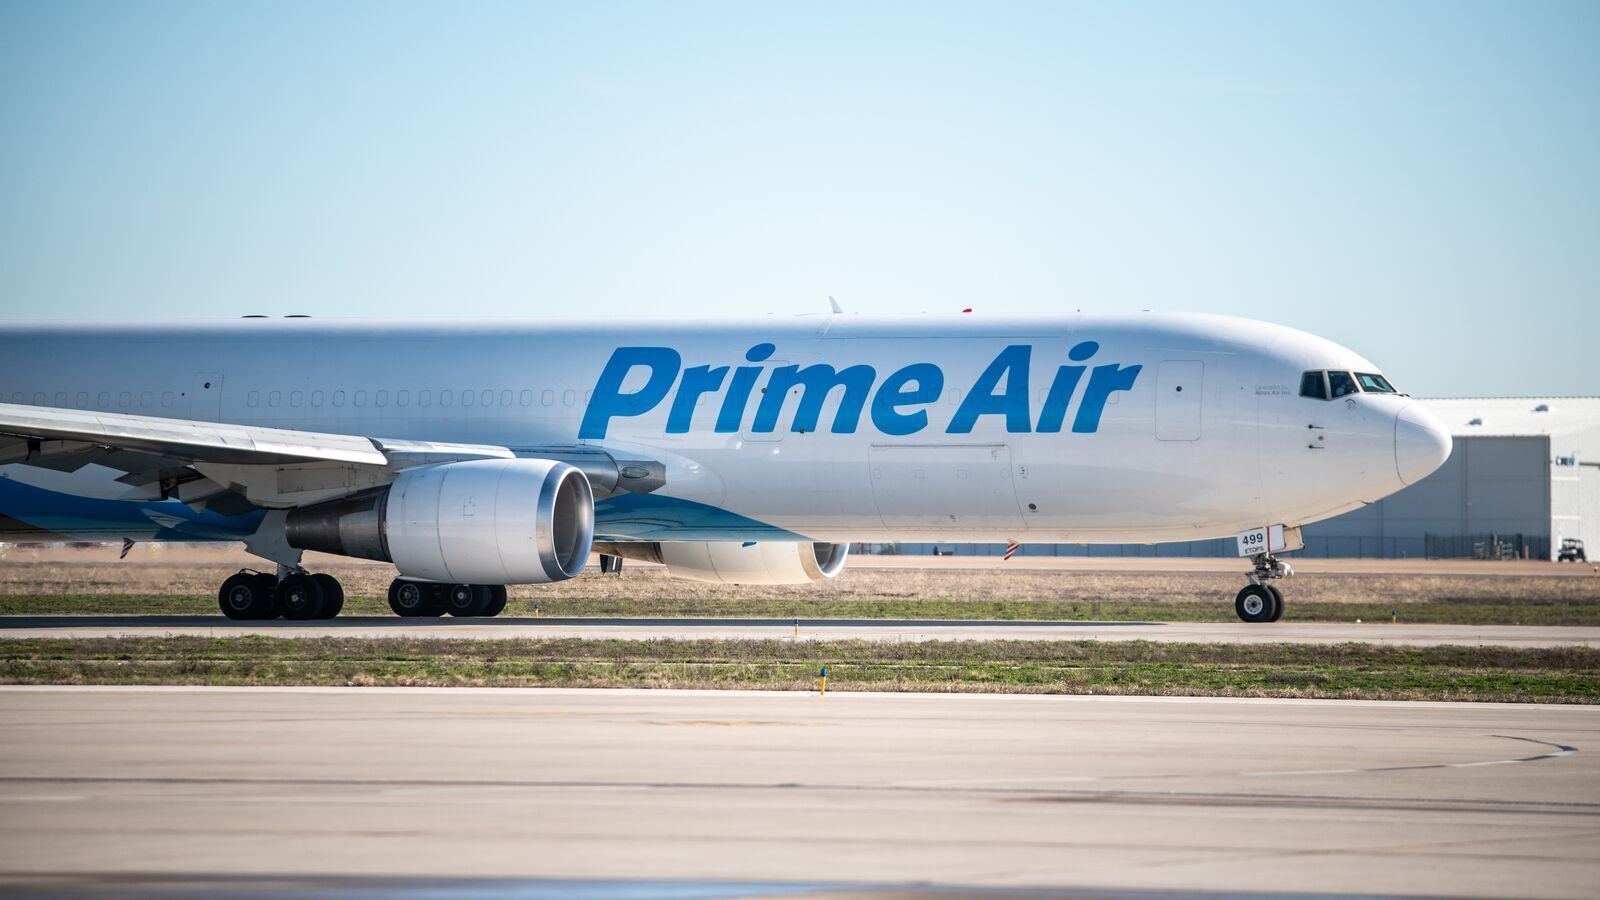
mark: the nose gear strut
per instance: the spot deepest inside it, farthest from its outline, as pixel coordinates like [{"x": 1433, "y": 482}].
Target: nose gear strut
[{"x": 1260, "y": 601}]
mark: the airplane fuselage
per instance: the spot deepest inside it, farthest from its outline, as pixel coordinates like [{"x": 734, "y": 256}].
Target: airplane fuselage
[{"x": 1072, "y": 428}]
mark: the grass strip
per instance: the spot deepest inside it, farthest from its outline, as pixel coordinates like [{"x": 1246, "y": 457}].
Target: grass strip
[
  {"x": 1475, "y": 611},
  {"x": 1344, "y": 671}
]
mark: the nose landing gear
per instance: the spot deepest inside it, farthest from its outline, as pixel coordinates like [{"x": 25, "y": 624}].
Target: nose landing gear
[{"x": 1259, "y": 601}]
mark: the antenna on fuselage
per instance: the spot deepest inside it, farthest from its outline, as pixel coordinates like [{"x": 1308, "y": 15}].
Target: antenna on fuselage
[{"x": 837, "y": 309}]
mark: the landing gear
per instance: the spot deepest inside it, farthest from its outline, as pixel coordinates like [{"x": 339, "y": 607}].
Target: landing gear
[
  {"x": 298, "y": 595},
  {"x": 1259, "y": 601},
  {"x": 332, "y": 595},
  {"x": 248, "y": 595},
  {"x": 497, "y": 600},
  {"x": 424, "y": 598},
  {"x": 467, "y": 599},
  {"x": 414, "y": 598}
]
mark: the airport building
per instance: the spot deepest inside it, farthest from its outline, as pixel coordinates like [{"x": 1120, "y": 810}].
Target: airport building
[{"x": 1524, "y": 474}]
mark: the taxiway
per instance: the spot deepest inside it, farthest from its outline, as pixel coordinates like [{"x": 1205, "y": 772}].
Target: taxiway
[{"x": 279, "y": 787}]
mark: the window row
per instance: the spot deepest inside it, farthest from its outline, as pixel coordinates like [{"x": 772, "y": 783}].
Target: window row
[
  {"x": 102, "y": 400},
  {"x": 1331, "y": 384},
  {"x": 405, "y": 398}
]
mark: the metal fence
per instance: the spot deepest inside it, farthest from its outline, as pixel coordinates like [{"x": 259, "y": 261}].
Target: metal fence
[{"x": 1488, "y": 545}]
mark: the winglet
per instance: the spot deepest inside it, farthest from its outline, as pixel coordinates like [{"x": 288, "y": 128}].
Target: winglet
[{"x": 837, "y": 309}]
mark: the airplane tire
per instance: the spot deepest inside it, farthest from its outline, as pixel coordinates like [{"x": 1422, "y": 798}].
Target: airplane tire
[
  {"x": 1277, "y": 603},
  {"x": 300, "y": 597},
  {"x": 332, "y": 594},
  {"x": 464, "y": 600},
  {"x": 245, "y": 596},
  {"x": 497, "y": 602},
  {"x": 438, "y": 598},
  {"x": 269, "y": 586},
  {"x": 1254, "y": 603},
  {"x": 408, "y": 598}
]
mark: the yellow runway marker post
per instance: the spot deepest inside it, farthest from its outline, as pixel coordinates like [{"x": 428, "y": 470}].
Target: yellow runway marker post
[
  {"x": 536, "y": 613},
  {"x": 823, "y": 687},
  {"x": 796, "y": 627}
]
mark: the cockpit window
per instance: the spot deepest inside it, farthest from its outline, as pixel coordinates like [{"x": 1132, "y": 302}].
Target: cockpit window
[
  {"x": 1340, "y": 383},
  {"x": 1375, "y": 384},
  {"x": 1312, "y": 385}
]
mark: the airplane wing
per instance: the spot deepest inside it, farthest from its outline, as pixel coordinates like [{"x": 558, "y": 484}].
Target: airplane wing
[
  {"x": 185, "y": 439},
  {"x": 236, "y": 468},
  {"x": 227, "y": 468}
]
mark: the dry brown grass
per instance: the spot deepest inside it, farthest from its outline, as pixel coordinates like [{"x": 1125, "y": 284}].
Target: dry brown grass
[{"x": 640, "y": 585}]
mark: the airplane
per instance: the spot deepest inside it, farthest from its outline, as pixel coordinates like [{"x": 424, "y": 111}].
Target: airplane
[{"x": 475, "y": 454}]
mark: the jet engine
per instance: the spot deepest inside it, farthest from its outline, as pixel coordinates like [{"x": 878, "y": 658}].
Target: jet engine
[
  {"x": 731, "y": 562},
  {"x": 481, "y": 521}
]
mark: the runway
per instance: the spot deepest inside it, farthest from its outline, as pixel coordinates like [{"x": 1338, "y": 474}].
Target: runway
[
  {"x": 689, "y": 794},
  {"x": 1382, "y": 632}
]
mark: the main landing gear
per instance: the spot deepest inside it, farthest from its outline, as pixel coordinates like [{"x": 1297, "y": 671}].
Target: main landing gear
[
  {"x": 414, "y": 599},
  {"x": 1259, "y": 601},
  {"x": 303, "y": 596},
  {"x": 297, "y": 595}
]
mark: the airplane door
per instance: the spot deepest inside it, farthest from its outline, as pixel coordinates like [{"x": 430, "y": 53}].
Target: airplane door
[
  {"x": 205, "y": 397},
  {"x": 1179, "y": 386},
  {"x": 947, "y": 487}
]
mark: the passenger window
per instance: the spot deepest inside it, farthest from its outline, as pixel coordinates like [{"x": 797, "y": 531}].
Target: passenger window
[
  {"x": 1312, "y": 385},
  {"x": 444, "y": 398},
  {"x": 295, "y": 398},
  {"x": 402, "y": 398},
  {"x": 361, "y": 398},
  {"x": 381, "y": 398},
  {"x": 466, "y": 398},
  {"x": 274, "y": 398},
  {"x": 526, "y": 398},
  {"x": 1375, "y": 384},
  {"x": 145, "y": 398},
  {"x": 252, "y": 398},
  {"x": 104, "y": 399},
  {"x": 83, "y": 400},
  {"x": 424, "y": 398},
  {"x": 505, "y": 398},
  {"x": 61, "y": 398},
  {"x": 316, "y": 398},
  {"x": 547, "y": 397},
  {"x": 569, "y": 397},
  {"x": 166, "y": 398},
  {"x": 124, "y": 399},
  {"x": 1340, "y": 384},
  {"x": 338, "y": 398}
]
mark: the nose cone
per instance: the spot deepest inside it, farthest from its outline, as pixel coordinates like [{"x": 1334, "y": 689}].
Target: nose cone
[{"x": 1421, "y": 443}]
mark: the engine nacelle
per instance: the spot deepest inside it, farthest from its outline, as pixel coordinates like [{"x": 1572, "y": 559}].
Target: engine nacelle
[
  {"x": 480, "y": 521},
  {"x": 732, "y": 562}
]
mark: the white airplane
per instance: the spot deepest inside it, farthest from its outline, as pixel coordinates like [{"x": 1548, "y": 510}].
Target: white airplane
[{"x": 474, "y": 454}]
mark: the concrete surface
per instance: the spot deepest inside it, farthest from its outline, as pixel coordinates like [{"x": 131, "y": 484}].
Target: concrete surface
[
  {"x": 810, "y": 629},
  {"x": 651, "y": 790}
]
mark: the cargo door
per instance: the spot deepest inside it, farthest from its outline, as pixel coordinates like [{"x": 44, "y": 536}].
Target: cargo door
[
  {"x": 953, "y": 487},
  {"x": 1179, "y": 387}
]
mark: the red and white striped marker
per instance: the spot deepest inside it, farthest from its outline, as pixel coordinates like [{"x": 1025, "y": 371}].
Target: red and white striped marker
[{"x": 1011, "y": 547}]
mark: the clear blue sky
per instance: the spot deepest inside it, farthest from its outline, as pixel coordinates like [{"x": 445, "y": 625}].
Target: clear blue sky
[{"x": 1419, "y": 181}]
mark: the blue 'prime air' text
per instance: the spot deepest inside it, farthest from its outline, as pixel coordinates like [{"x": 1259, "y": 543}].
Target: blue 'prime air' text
[{"x": 896, "y": 404}]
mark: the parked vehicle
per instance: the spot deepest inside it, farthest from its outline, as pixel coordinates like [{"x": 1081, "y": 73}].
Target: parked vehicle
[{"x": 1571, "y": 551}]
